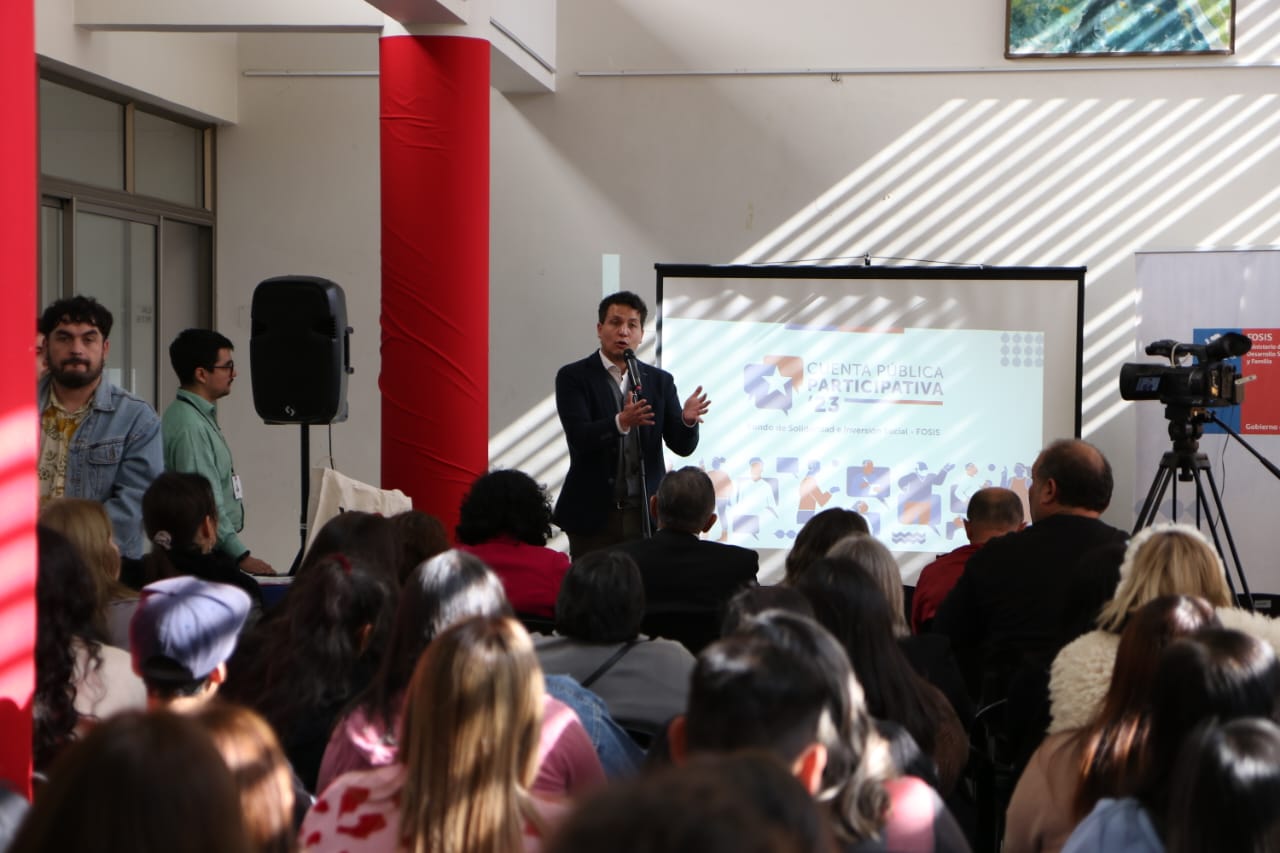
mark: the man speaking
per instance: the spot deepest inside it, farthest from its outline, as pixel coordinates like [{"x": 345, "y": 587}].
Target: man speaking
[{"x": 617, "y": 412}]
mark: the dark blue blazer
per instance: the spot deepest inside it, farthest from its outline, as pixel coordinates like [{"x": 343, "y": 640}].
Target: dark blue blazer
[{"x": 587, "y": 407}]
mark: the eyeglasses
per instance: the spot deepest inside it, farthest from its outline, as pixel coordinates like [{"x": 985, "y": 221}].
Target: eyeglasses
[{"x": 230, "y": 365}]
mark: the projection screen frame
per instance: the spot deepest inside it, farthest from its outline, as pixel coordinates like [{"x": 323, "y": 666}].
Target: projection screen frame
[{"x": 1068, "y": 276}]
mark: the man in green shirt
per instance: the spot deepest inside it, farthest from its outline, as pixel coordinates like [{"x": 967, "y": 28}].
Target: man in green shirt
[{"x": 193, "y": 441}]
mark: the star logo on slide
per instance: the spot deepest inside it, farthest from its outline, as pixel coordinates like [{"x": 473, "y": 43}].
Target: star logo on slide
[{"x": 773, "y": 381}]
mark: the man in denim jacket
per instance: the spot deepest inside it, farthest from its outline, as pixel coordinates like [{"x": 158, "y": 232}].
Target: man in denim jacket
[{"x": 97, "y": 441}]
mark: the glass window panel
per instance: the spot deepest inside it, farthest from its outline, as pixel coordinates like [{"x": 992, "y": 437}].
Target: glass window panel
[
  {"x": 186, "y": 263},
  {"x": 168, "y": 159},
  {"x": 81, "y": 136},
  {"x": 50, "y": 254},
  {"x": 115, "y": 264}
]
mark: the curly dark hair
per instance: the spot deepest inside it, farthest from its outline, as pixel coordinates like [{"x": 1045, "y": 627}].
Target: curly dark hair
[
  {"x": 76, "y": 309},
  {"x": 66, "y": 602},
  {"x": 505, "y": 502}
]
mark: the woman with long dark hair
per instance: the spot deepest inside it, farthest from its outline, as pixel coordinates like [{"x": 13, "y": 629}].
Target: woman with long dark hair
[
  {"x": 1215, "y": 673},
  {"x": 78, "y": 678},
  {"x": 301, "y": 666},
  {"x": 1072, "y": 770},
  {"x": 180, "y": 516},
  {"x": 850, "y": 604}
]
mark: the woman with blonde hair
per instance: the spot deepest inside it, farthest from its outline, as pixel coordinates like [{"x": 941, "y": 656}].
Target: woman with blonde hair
[
  {"x": 467, "y": 757},
  {"x": 1164, "y": 559},
  {"x": 88, "y": 528},
  {"x": 262, "y": 774}
]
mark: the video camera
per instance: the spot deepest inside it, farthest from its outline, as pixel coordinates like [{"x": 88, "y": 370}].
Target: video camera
[{"x": 1207, "y": 381}]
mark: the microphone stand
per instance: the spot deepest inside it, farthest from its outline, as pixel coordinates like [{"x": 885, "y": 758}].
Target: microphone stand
[{"x": 637, "y": 393}]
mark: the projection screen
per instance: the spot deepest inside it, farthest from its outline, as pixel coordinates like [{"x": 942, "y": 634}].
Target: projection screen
[{"x": 895, "y": 391}]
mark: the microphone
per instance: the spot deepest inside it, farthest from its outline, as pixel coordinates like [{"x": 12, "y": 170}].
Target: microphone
[{"x": 633, "y": 369}]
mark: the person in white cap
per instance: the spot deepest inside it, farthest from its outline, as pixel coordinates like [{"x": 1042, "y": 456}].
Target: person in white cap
[{"x": 181, "y": 636}]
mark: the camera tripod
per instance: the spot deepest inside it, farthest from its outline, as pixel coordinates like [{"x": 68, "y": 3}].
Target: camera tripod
[{"x": 1186, "y": 425}]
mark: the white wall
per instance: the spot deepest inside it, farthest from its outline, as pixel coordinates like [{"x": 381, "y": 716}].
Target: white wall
[
  {"x": 193, "y": 73},
  {"x": 1069, "y": 167},
  {"x": 298, "y": 194},
  {"x": 972, "y": 158}
]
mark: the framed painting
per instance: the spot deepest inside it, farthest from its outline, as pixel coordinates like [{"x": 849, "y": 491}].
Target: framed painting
[{"x": 1119, "y": 27}]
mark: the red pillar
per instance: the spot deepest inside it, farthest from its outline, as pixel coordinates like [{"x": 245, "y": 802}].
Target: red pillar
[
  {"x": 18, "y": 428},
  {"x": 435, "y": 268}
]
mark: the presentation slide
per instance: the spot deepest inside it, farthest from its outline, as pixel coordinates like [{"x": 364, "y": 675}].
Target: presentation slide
[{"x": 898, "y": 399}]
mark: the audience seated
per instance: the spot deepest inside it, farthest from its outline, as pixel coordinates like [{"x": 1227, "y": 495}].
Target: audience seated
[
  {"x": 371, "y": 538},
  {"x": 138, "y": 783},
  {"x": 687, "y": 579},
  {"x": 88, "y": 528},
  {"x": 929, "y": 654},
  {"x": 461, "y": 780},
  {"x": 181, "y": 637},
  {"x": 421, "y": 537},
  {"x": 448, "y": 588},
  {"x": 850, "y": 604},
  {"x": 1167, "y": 559},
  {"x": 1215, "y": 673},
  {"x": 782, "y": 684},
  {"x": 261, "y": 772},
  {"x": 758, "y": 599},
  {"x": 818, "y": 535},
  {"x": 746, "y": 802},
  {"x": 303, "y": 663},
  {"x": 505, "y": 520},
  {"x": 991, "y": 512},
  {"x": 643, "y": 680},
  {"x": 1006, "y": 612},
  {"x": 1074, "y": 769},
  {"x": 78, "y": 679},
  {"x": 1226, "y": 789},
  {"x": 180, "y": 516},
  {"x": 904, "y": 752}
]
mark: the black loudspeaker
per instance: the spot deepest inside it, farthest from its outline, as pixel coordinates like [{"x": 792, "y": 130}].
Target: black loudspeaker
[{"x": 299, "y": 350}]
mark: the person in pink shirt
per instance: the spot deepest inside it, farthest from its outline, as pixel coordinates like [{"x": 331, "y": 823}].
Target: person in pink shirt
[
  {"x": 461, "y": 780},
  {"x": 444, "y": 590}
]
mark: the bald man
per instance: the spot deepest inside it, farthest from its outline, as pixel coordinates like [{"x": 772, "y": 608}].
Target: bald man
[{"x": 991, "y": 512}]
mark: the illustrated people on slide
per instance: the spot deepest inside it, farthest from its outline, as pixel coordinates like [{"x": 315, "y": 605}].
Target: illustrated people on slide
[
  {"x": 873, "y": 518},
  {"x": 723, "y": 485},
  {"x": 869, "y": 482},
  {"x": 917, "y": 504},
  {"x": 609, "y": 428},
  {"x": 812, "y": 496},
  {"x": 961, "y": 493},
  {"x": 1020, "y": 484},
  {"x": 755, "y": 495}
]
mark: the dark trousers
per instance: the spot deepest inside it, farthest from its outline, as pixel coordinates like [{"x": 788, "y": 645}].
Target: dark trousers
[{"x": 621, "y": 525}]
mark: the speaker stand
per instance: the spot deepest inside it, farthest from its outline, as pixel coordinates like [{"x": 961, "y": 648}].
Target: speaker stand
[{"x": 305, "y": 480}]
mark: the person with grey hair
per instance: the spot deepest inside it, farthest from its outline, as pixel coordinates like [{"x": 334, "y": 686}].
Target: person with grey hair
[{"x": 683, "y": 573}]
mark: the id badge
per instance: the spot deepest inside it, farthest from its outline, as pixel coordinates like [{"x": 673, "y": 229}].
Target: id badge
[{"x": 236, "y": 488}]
